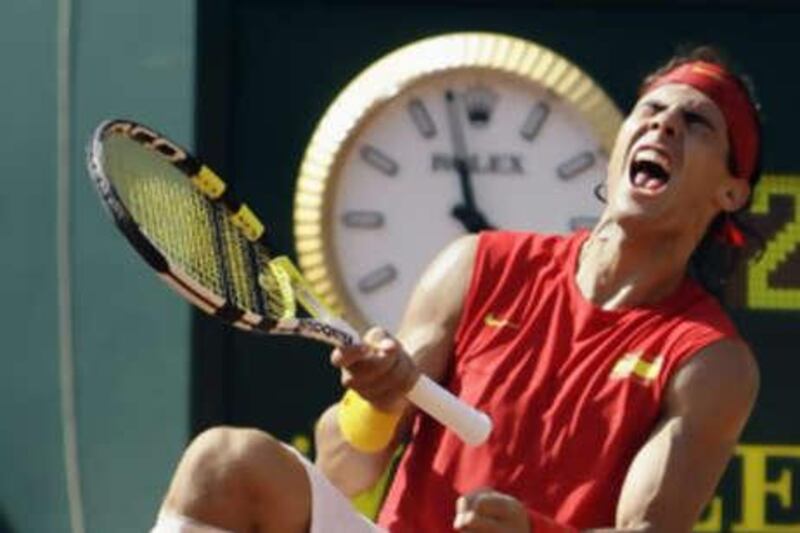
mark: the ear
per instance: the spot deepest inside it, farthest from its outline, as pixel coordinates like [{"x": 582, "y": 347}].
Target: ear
[{"x": 734, "y": 194}]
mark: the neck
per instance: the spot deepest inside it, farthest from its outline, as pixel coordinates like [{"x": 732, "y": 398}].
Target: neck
[{"x": 617, "y": 269}]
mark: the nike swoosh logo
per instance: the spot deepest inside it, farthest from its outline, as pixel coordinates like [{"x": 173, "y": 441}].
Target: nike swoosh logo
[{"x": 494, "y": 322}]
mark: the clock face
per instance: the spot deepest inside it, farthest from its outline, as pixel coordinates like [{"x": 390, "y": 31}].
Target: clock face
[
  {"x": 449, "y": 135},
  {"x": 532, "y": 162}
]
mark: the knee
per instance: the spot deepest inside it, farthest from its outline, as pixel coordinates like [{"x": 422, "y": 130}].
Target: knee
[
  {"x": 226, "y": 463},
  {"x": 229, "y": 476},
  {"x": 232, "y": 457},
  {"x": 229, "y": 442}
]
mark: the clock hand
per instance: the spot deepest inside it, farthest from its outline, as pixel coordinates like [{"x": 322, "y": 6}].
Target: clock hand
[
  {"x": 472, "y": 219},
  {"x": 466, "y": 212}
]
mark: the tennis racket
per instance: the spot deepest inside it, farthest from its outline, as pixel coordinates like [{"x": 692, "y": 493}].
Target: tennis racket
[{"x": 189, "y": 226}]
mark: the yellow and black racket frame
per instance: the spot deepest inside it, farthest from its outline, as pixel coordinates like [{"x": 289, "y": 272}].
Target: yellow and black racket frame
[{"x": 220, "y": 194}]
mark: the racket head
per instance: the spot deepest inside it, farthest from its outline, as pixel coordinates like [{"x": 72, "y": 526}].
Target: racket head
[
  {"x": 189, "y": 226},
  {"x": 179, "y": 216}
]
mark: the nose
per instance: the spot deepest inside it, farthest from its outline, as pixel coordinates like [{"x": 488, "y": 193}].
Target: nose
[{"x": 667, "y": 121}]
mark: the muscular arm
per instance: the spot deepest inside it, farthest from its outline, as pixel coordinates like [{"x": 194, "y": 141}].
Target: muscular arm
[
  {"x": 426, "y": 336},
  {"x": 675, "y": 473}
]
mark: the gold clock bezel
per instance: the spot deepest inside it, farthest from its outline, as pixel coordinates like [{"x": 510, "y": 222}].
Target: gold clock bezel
[{"x": 386, "y": 79}]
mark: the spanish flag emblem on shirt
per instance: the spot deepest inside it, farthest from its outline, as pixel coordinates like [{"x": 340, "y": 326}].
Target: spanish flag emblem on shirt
[{"x": 634, "y": 365}]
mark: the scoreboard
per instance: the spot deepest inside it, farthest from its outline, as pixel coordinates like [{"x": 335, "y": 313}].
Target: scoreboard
[{"x": 772, "y": 281}]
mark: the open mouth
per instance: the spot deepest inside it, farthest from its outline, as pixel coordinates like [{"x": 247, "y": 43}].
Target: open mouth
[{"x": 650, "y": 170}]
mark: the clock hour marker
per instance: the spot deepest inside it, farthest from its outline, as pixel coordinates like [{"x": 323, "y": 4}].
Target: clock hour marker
[
  {"x": 533, "y": 123},
  {"x": 377, "y": 278},
  {"x": 575, "y": 165},
  {"x": 378, "y": 160},
  {"x": 582, "y": 222},
  {"x": 363, "y": 219},
  {"x": 421, "y": 118}
]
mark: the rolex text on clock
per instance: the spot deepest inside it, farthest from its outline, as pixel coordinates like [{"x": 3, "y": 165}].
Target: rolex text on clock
[{"x": 453, "y": 134}]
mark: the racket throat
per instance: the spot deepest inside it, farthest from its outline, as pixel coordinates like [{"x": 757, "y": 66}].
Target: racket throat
[{"x": 314, "y": 329}]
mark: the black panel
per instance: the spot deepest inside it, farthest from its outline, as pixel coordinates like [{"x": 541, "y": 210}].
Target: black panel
[
  {"x": 267, "y": 73},
  {"x": 211, "y": 340}
]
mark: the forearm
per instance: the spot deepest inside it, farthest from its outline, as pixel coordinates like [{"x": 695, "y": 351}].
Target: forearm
[{"x": 349, "y": 469}]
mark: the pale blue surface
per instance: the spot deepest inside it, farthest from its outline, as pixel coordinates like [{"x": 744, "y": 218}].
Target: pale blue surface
[{"x": 131, "y": 334}]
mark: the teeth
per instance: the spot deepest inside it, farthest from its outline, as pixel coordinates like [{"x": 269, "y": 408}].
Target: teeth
[
  {"x": 653, "y": 156},
  {"x": 650, "y": 169}
]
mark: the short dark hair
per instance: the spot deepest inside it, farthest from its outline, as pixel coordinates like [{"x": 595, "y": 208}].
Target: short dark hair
[{"x": 714, "y": 260}]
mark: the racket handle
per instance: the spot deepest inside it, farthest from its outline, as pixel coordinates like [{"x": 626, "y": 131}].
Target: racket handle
[{"x": 471, "y": 425}]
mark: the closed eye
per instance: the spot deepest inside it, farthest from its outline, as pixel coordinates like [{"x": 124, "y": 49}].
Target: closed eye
[
  {"x": 651, "y": 107},
  {"x": 696, "y": 118}
]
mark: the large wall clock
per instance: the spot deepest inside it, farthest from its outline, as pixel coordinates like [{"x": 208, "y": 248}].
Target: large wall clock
[{"x": 451, "y": 134}]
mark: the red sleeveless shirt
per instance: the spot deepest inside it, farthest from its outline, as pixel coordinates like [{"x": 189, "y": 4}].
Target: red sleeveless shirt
[{"x": 573, "y": 390}]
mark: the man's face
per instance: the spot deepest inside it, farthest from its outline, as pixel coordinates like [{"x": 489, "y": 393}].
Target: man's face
[{"x": 669, "y": 166}]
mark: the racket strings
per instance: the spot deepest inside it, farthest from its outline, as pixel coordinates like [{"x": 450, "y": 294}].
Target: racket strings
[
  {"x": 254, "y": 286},
  {"x": 179, "y": 223},
  {"x": 196, "y": 235}
]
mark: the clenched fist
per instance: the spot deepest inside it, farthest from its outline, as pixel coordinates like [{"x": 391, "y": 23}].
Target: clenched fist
[{"x": 489, "y": 511}]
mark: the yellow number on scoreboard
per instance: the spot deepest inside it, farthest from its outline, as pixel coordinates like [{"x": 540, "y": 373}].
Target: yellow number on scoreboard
[{"x": 763, "y": 292}]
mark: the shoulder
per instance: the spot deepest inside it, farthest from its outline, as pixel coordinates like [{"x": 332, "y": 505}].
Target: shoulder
[
  {"x": 702, "y": 310},
  {"x": 492, "y": 255},
  {"x": 452, "y": 263},
  {"x": 439, "y": 293},
  {"x": 719, "y": 383},
  {"x": 525, "y": 249},
  {"x": 697, "y": 327},
  {"x": 429, "y": 322},
  {"x": 523, "y": 239},
  {"x": 487, "y": 247}
]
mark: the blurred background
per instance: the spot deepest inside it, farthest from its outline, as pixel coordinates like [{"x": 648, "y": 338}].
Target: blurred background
[{"x": 106, "y": 374}]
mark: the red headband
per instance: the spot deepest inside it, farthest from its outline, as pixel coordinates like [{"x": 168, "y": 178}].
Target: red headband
[{"x": 732, "y": 99}]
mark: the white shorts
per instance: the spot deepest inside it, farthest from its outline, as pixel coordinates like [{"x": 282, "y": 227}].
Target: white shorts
[{"x": 331, "y": 511}]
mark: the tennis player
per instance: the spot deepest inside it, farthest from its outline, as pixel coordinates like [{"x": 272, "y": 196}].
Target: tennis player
[{"x": 617, "y": 386}]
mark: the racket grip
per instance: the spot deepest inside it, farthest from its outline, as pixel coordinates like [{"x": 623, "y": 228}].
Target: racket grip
[{"x": 471, "y": 425}]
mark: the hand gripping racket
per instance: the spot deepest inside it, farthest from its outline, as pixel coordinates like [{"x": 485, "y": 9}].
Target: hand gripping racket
[{"x": 187, "y": 224}]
